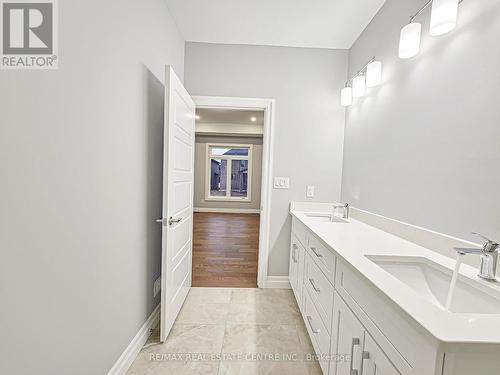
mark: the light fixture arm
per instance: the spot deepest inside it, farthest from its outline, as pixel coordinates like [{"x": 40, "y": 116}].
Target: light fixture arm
[{"x": 412, "y": 18}]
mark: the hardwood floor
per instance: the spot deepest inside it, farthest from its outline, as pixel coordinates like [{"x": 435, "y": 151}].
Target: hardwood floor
[{"x": 225, "y": 250}]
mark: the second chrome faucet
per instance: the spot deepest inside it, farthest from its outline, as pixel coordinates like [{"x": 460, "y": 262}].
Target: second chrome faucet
[{"x": 345, "y": 214}]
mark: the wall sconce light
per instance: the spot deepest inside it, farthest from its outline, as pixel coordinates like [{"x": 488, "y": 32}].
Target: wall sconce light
[
  {"x": 409, "y": 40},
  {"x": 358, "y": 86},
  {"x": 369, "y": 76},
  {"x": 346, "y": 96},
  {"x": 443, "y": 17},
  {"x": 373, "y": 74}
]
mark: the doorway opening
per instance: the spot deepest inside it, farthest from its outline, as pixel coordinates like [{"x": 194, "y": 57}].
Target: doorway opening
[{"x": 231, "y": 192}]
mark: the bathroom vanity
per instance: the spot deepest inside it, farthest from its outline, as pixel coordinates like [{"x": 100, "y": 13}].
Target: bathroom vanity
[{"x": 373, "y": 303}]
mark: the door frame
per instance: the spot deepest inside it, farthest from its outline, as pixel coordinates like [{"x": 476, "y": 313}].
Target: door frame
[{"x": 269, "y": 107}]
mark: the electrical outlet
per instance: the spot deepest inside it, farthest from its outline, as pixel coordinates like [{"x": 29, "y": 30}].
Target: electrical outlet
[
  {"x": 157, "y": 286},
  {"x": 310, "y": 191}
]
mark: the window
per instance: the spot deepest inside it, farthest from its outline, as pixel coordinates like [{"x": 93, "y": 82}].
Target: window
[{"x": 229, "y": 174}]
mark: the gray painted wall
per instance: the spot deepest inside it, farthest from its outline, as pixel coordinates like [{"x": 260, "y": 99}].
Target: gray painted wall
[
  {"x": 309, "y": 124},
  {"x": 200, "y": 167},
  {"x": 81, "y": 170},
  {"x": 424, "y": 146}
]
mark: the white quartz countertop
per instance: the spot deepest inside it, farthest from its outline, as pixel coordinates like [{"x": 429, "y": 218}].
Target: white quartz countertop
[{"x": 353, "y": 240}]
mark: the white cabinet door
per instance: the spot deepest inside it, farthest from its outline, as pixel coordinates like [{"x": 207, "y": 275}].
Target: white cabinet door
[
  {"x": 375, "y": 361},
  {"x": 294, "y": 262},
  {"x": 347, "y": 345}
]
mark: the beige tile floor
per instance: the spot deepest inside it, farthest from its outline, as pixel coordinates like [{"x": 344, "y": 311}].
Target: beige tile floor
[{"x": 222, "y": 330}]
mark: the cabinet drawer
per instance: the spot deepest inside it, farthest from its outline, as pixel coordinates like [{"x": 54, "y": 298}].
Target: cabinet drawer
[
  {"x": 300, "y": 231},
  {"x": 323, "y": 257},
  {"x": 317, "y": 332},
  {"x": 320, "y": 290}
]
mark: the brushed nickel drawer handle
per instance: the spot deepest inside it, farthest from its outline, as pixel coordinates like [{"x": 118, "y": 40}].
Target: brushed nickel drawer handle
[
  {"x": 316, "y": 253},
  {"x": 309, "y": 320},
  {"x": 355, "y": 341},
  {"x": 364, "y": 355},
  {"x": 316, "y": 289}
]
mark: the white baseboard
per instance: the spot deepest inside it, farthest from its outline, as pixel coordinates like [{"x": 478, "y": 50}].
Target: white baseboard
[
  {"x": 228, "y": 210},
  {"x": 123, "y": 363},
  {"x": 278, "y": 282}
]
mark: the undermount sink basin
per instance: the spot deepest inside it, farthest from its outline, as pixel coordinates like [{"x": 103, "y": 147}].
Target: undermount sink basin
[
  {"x": 432, "y": 281},
  {"x": 326, "y": 218}
]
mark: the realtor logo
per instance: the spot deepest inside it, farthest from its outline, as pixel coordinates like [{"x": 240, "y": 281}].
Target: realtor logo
[{"x": 29, "y": 34}]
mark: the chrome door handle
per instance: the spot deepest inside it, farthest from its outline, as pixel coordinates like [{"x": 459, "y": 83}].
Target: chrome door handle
[
  {"x": 160, "y": 220},
  {"x": 309, "y": 320},
  {"x": 355, "y": 341},
  {"x": 364, "y": 355},
  {"x": 316, "y": 289},
  {"x": 316, "y": 253},
  {"x": 171, "y": 220}
]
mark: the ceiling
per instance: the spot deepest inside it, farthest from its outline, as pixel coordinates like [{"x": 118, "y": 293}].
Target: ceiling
[
  {"x": 292, "y": 23},
  {"x": 229, "y": 116}
]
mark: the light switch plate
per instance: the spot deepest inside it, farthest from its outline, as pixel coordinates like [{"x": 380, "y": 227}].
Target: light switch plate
[
  {"x": 282, "y": 182},
  {"x": 310, "y": 191}
]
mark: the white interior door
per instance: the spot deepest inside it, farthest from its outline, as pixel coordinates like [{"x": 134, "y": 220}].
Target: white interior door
[{"x": 177, "y": 217}]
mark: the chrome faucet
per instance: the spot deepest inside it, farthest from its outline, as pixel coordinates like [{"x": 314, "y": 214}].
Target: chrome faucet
[
  {"x": 345, "y": 207},
  {"x": 489, "y": 257}
]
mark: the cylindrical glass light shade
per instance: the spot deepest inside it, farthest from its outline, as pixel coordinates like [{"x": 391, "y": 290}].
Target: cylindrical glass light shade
[
  {"x": 373, "y": 74},
  {"x": 409, "y": 41},
  {"x": 358, "y": 86},
  {"x": 444, "y": 16},
  {"x": 346, "y": 97}
]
